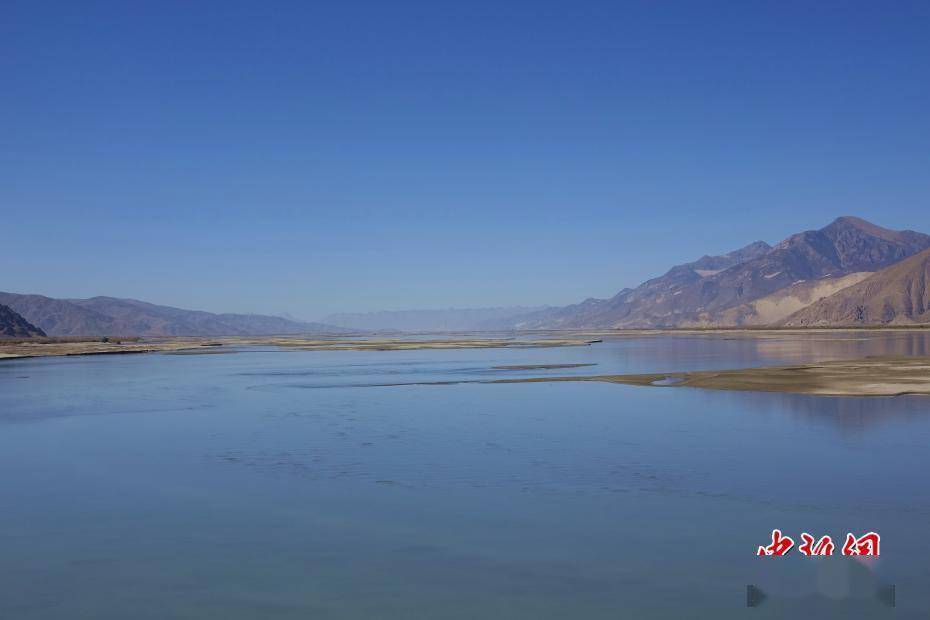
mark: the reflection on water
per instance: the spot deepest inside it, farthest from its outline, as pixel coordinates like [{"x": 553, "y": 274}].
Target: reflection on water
[
  {"x": 165, "y": 486},
  {"x": 851, "y": 415},
  {"x": 701, "y": 352},
  {"x": 849, "y": 345}
]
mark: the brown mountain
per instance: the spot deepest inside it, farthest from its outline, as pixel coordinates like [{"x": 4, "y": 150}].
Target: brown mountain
[
  {"x": 58, "y": 317},
  {"x": 110, "y": 316},
  {"x": 12, "y": 325},
  {"x": 707, "y": 292},
  {"x": 896, "y": 295}
]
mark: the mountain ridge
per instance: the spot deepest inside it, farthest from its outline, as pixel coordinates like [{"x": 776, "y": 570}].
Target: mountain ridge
[
  {"x": 686, "y": 296},
  {"x": 113, "y": 316}
]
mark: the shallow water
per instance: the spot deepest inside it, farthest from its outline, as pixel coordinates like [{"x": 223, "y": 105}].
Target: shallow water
[{"x": 234, "y": 486}]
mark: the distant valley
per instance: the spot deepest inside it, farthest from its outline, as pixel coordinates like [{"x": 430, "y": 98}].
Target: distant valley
[{"x": 448, "y": 320}]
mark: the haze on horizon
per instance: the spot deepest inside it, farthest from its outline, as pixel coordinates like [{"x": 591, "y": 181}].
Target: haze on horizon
[{"x": 363, "y": 157}]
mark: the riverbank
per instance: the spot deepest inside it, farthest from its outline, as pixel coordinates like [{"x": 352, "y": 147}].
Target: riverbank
[{"x": 64, "y": 347}]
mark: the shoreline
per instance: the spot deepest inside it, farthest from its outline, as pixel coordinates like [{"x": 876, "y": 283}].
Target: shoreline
[{"x": 21, "y": 348}]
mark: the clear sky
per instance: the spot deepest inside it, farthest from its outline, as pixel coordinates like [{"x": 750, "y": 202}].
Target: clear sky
[{"x": 310, "y": 157}]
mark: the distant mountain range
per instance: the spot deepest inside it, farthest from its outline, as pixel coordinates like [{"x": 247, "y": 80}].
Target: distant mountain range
[
  {"x": 12, "y": 325},
  {"x": 109, "y": 316},
  {"x": 449, "y": 320},
  {"x": 755, "y": 285},
  {"x": 850, "y": 272}
]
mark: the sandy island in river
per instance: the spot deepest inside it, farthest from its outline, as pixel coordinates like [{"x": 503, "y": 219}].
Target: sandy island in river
[
  {"x": 190, "y": 346},
  {"x": 871, "y": 376},
  {"x": 540, "y": 366}
]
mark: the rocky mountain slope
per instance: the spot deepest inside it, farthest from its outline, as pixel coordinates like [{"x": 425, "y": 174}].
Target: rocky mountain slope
[
  {"x": 896, "y": 295},
  {"x": 718, "y": 291},
  {"x": 776, "y": 307},
  {"x": 12, "y": 325},
  {"x": 602, "y": 312},
  {"x": 109, "y": 316}
]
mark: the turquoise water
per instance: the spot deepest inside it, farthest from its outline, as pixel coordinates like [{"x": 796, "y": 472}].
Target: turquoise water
[{"x": 274, "y": 484}]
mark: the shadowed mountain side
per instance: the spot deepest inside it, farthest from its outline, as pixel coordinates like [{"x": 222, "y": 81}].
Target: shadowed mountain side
[
  {"x": 897, "y": 295},
  {"x": 57, "y": 317},
  {"x": 12, "y": 325}
]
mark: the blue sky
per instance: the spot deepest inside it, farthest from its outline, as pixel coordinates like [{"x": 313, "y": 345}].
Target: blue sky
[{"x": 311, "y": 157}]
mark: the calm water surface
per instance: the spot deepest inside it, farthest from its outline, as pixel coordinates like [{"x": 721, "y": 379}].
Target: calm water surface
[{"x": 273, "y": 484}]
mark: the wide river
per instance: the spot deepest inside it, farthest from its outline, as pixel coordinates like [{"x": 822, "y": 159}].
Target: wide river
[{"x": 283, "y": 484}]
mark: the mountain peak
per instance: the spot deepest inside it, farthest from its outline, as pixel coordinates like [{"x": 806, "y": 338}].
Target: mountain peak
[{"x": 852, "y": 222}]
